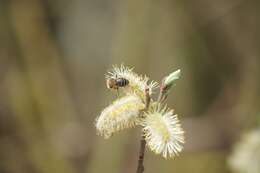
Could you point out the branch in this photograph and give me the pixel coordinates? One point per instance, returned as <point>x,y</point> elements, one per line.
<point>140,167</point>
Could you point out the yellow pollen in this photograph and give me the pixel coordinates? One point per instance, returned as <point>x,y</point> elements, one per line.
<point>161,127</point>
<point>125,107</point>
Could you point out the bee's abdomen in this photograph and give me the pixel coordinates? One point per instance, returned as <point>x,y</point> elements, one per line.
<point>121,82</point>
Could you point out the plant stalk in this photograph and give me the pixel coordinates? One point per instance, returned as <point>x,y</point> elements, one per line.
<point>140,166</point>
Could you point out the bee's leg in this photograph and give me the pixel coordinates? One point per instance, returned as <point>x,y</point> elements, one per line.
<point>117,90</point>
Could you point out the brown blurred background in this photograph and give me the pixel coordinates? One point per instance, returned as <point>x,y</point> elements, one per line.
<point>53,56</point>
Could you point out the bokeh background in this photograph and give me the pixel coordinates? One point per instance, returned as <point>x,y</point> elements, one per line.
<point>53,57</point>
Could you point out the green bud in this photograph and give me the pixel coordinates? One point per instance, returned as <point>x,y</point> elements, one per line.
<point>171,78</point>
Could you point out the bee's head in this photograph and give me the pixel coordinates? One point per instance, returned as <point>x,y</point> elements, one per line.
<point>111,83</point>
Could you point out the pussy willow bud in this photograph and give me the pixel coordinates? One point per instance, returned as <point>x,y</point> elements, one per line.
<point>171,78</point>
<point>167,83</point>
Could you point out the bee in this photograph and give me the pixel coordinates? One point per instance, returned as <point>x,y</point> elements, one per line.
<point>115,83</point>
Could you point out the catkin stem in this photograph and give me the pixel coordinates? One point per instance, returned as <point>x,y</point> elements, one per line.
<point>140,167</point>
<point>163,93</point>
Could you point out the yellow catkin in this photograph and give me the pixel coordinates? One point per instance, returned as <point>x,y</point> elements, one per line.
<point>163,132</point>
<point>121,114</point>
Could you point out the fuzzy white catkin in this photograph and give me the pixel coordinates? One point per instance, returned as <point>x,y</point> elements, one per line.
<point>121,114</point>
<point>137,83</point>
<point>163,132</point>
<point>246,155</point>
